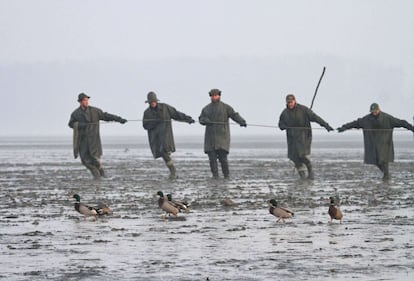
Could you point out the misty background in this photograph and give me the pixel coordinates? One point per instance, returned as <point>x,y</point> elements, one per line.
<point>254,51</point>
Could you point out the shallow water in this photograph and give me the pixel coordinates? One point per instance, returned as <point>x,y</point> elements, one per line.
<point>43,237</point>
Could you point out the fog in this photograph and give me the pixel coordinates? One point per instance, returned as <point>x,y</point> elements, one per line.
<point>254,51</point>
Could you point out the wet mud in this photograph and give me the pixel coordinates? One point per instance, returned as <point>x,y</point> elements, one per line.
<point>228,234</point>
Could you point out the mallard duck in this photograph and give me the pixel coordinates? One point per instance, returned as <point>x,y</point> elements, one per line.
<point>182,206</point>
<point>165,205</point>
<point>279,212</point>
<point>334,211</point>
<point>86,210</point>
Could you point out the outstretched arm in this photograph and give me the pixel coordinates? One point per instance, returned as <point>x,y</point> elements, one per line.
<point>357,124</point>
<point>235,116</point>
<point>316,118</point>
<point>238,119</point>
<point>399,123</point>
<point>105,116</point>
<point>179,116</point>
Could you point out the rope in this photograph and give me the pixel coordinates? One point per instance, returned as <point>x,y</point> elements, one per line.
<point>258,125</point>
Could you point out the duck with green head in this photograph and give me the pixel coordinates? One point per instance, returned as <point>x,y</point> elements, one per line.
<point>334,211</point>
<point>182,206</point>
<point>165,205</point>
<point>280,212</point>
<point>100,210</point>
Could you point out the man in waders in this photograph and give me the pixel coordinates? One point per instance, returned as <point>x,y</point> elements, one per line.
<point>157,122</point>
<point>378,144</point>
<point>215,116</point>
<point>295,119</point>
<point>87,141</point>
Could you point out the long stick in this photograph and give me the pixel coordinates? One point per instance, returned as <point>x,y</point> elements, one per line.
<point>317,87</point>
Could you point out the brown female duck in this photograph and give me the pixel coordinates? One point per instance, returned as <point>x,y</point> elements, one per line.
<point>334,211</point>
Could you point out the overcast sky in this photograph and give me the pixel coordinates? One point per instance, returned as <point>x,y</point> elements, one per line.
<point>368,44</point>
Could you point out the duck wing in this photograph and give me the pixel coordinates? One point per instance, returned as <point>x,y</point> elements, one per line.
<point>281,212</point>
<point>85,209</point>
<point>181,206</point>
<point>289,211</point>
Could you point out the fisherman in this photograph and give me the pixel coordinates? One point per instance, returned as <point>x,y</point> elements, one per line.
<point>378,145</point>
<point>157,121</point>
<point>215,116</point>
<point>87,141</point>
<point>295,119</point>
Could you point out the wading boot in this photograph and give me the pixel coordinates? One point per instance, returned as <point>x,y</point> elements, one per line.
<point>302,175</point>
<point>214,168</point>
<point>225,168</point>
<point>94,171</point>
<point>311,175</point>
<point>386,171</point>
<point>93,166</point>
<point>102,172</point>
<point>173,174</point>
<point>96,174</point>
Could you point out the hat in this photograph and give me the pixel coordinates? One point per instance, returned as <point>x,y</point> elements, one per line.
<point>374,107</point>
<point>151,97</point>
<point>82,96</point>
<point>290,97</point>
<point>214,92</point>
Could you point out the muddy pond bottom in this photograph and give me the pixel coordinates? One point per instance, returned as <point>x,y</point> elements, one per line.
<point>42,237</point>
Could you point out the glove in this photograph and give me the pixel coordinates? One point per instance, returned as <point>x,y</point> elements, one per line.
<point>123,121</point>
<point>329,128</point>
<point>243,124</point>
<point>191,121</point>
<point>341,129</point>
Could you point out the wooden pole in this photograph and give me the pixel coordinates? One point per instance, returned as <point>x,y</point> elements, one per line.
<point>317,87</point>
